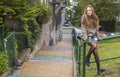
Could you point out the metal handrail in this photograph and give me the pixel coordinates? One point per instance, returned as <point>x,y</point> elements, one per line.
<point>78,46</point>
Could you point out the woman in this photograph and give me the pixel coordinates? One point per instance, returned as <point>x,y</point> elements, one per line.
<point>90,26</point>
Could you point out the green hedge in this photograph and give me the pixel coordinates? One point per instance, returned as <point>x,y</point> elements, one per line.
<point>117,26</point>
<point>3,62</point>
<point>109,26</point>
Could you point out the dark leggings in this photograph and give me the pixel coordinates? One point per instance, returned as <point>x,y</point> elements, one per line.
<point>93,49</point>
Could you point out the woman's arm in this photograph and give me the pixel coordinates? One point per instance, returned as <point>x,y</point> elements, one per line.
<point>97,34</point>
<point>84,30</point>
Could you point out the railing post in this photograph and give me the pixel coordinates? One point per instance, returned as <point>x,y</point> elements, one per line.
<point>76,48</point>
<point>79,58</point>
<point>14,51</point>
<point>84,54</point>
<point>77,54</point>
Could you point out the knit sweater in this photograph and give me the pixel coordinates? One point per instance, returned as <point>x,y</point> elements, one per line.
<point>88,31</point>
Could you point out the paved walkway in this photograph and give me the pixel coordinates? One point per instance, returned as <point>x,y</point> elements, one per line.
<point>51,61</point>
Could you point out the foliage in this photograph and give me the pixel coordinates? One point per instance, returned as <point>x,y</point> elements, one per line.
<point>26,31</point>
<point>15,8</point>
<point>22,42</point>
<point>45,15</point>
<point>107,14</point>
<point>117,26</point>
<point>3,62</point>
<point>27,13</point>
<point>68,3</point>
<point>103,8</point>
<point>105,11</point>
<point>109,25</point>
<point>76,18</point>
<point>34,30</point>
<point>83,4</point>
<point>22,9</point>
<point>73,14</point>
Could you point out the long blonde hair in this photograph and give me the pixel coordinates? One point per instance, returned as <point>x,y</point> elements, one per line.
<point>94,17</point>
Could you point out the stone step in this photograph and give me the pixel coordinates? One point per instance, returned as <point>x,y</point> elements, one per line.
<point>31,76</point>
<point>58,48</point>
<point>46,69</point>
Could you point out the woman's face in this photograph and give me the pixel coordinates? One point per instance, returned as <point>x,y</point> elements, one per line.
<point>89,11</point>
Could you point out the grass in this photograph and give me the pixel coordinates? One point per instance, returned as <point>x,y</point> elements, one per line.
<point>106,49</point>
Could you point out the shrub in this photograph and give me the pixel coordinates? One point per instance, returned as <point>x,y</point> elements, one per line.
<point>117,26</point>
<point>4,66</point>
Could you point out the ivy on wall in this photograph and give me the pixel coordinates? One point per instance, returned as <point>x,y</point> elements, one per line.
<point>23,10</point>
<point>31,15</point>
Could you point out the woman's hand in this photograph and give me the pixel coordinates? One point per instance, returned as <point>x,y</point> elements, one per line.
<point>85,41</point>
<point>99,38</point>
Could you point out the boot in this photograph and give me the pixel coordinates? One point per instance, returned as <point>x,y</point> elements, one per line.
<point>87,62</point>
<point>100,71</point>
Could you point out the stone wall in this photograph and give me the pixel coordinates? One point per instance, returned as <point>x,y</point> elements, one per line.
<point>44,39</point>
<point>5,74</point>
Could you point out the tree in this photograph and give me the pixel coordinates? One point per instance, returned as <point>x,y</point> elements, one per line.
<point>27,14</point>
<point>22,9</point>
<point>106,10</point>
<point>76,18</point>
<point>76,14</point>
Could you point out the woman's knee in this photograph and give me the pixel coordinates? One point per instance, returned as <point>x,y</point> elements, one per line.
<point>94,46</point>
